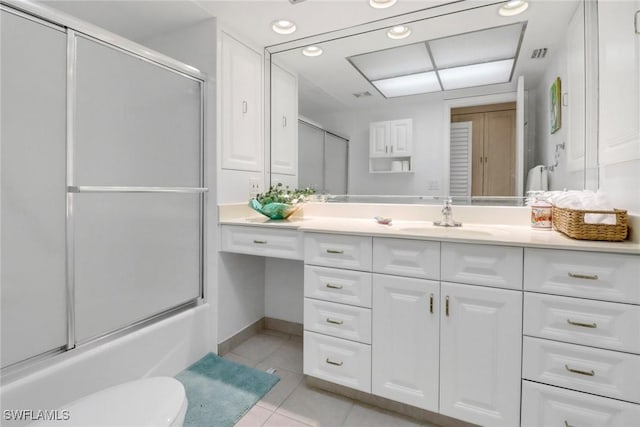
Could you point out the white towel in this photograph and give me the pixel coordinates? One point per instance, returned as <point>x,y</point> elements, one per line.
<point>537,179</point>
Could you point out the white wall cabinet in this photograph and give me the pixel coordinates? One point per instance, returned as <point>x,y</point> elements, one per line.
<point>390,145</point>
<point>242,110</point>
<point>405,351</point>
<point>619,43</point>
<point>284,122</point>
<point>480,354</point>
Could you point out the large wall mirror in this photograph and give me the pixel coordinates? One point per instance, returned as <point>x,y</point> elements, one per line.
<point>469,104</point>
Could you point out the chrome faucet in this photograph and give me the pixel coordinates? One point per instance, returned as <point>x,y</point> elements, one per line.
<point>447,216</point>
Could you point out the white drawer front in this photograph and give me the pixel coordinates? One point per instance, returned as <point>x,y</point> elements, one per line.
<point>543,405</point>
<point>338,320</point>
<point>402,257</point>
<point>595,323</point>
<point>261,241</point>
<point>343,286</point>
<point>496,266</point>
<point>334,250</point>
<point>337,360</point>
<point>593,370</point>
<point>601,276</point>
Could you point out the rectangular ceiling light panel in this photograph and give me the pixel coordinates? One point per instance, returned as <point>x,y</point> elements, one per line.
<point>487,73</point>
<point>479,46</point>
<point>383,64</point>
<point>412,84</point>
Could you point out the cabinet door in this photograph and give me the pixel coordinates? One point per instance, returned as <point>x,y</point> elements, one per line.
<point>242,142</point>
<point>379,134</point>
<point>284,122</point>
<point>401,134</point>
<point>480,351</point>
<point>500,153</point>
<point>405,340</point>
<point>33,188</point>
<point>619,118</point>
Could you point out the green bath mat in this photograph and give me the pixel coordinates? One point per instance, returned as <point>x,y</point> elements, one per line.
<point>220,392</point>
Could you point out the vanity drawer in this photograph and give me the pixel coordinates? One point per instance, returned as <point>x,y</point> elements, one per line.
<point>403,257</point>
<point>343,286</point>
<point>261,241</point>
<point>595,323</point>
<point>592,370</point>
<point>486,265</point>
<point>543,405</point>
<point>338,320</point>
<point>335,250</point>
<point>337,360</point>
<point>601,276</point>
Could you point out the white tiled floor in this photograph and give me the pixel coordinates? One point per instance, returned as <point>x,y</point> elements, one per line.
<point>291,403</point>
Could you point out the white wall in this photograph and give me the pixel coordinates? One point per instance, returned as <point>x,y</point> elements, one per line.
<point>284,289</point>
<point>241,293</point>
<point>567,62</point>
<point>428,119</point>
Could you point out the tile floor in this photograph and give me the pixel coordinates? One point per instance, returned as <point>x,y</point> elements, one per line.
<point>291,403</point>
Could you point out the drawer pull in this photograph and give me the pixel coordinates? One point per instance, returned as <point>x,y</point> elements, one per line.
<point>446,306</point>
<point>331,362</point>
<point>260,242</point>
<point>335,251</point>
<point>332,286</point>
<point>431,303</point>
<point>578,371</point>
<point>584,325</point>
<point>566,424</point>
<point>334,321</point>
<point>583,276</point>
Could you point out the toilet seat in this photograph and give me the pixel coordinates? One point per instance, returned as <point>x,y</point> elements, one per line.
<point>153,402</point>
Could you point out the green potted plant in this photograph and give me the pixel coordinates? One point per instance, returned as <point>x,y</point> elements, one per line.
<point>279,202</point>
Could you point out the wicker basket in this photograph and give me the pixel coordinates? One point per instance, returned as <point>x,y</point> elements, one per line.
<point>571,222</point>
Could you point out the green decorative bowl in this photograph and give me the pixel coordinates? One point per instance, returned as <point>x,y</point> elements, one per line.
<point>275,210</point>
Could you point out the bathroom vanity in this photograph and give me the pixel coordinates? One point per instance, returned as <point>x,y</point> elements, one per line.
<point>466,322</point>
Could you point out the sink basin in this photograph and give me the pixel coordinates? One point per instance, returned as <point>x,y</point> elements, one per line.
<point>430,230</point>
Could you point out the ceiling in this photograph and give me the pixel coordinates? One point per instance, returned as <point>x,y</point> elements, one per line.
<point>248,19</point>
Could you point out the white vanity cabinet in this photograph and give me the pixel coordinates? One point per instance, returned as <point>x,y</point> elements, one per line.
<point>284,122</point>
<point>581,323</point>
<point>337,309</point>
<point>241,104</point>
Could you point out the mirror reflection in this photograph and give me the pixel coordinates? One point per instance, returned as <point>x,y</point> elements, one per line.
<point>470,104</point>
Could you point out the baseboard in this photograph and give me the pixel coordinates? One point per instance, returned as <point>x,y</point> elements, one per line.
<point>284,326</point>
<point>387,404</point>
<point>235,340</point>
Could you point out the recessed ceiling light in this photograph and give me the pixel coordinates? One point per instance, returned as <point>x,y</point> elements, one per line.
<point>283,26</point>
<point>513,7</point>
<point>381,4</point>
<point>399,32</point>
<point>312,51</point>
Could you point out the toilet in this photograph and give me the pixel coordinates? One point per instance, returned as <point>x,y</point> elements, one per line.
<point>153,402</point>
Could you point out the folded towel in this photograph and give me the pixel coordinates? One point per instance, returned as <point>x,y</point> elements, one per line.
<point>583,200</point>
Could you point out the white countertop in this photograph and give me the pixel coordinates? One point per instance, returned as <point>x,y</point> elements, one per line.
<point>509,235</point>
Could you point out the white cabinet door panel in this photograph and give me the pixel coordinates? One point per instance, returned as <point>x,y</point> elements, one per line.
<point>595,323</point>
<point>401,135</point>
<point>403,257</point>
<point>379,133</point>
<point>406,340</point>
<point>480,354</point>
<point>495,266</point>
<point>592,370</point>
<point>600,276</point>
<point>543,405</point>
<point>284,122</point>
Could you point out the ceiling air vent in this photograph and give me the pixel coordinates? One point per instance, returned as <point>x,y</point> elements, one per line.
<point>362,94</point>
<point>539,53</point>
